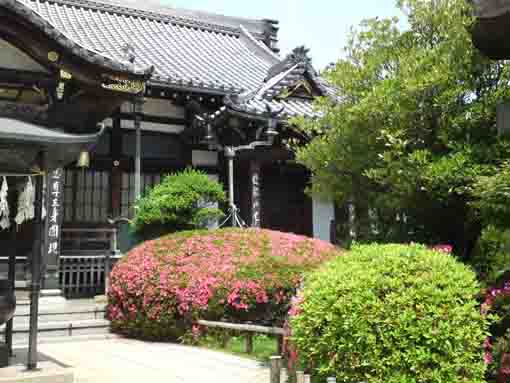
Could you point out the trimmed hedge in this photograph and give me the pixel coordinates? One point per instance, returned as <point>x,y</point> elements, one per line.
<point>162,286</point>
<point>392,313</point>
<point>182,201</point>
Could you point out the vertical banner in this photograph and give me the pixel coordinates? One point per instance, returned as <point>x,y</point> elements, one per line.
<point>255,194</point>
<point>54,213</point>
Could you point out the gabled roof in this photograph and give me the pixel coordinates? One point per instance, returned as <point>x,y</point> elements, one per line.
<point>188,49</point>
<point>290,85</point>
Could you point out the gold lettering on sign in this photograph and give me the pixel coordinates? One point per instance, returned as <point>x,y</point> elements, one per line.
<point>124,85</point>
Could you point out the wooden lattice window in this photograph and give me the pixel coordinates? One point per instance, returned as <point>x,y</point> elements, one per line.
<point>87,196</point>
<point>128,190</point>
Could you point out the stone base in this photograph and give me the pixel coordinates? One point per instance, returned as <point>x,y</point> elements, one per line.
<point>47,372</point>
<point>4,355</point>
<point>101,299</point>
<point>51,297</point>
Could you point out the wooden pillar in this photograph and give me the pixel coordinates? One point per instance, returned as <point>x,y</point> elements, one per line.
<point>275,366</point>
<point>35,286</point>
<point>255,182</point>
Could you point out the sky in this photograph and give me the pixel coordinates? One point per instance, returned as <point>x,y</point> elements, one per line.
<point>321,25</point>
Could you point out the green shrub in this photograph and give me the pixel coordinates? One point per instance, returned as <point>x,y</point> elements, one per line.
<point>179,202</point>
<point>492,196</point>
<point>161,287</point>
<point>491,257</point>
<point>392,313</point>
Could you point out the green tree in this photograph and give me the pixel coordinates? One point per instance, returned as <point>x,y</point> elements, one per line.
<point>415,127</point>
<point>181,201</point>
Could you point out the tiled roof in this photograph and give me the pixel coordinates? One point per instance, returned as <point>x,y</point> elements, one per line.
<point>23,142</point>
<point>282,78</point>
<point>87,53</point>
<point>188,49</point>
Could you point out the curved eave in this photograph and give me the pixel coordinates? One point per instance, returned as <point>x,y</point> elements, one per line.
<point>22,142</point>
<point>491,36</point>
<point>67,44</point>
<point>255,109</point>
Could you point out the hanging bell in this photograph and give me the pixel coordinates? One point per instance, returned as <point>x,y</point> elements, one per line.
<point>83,160</point>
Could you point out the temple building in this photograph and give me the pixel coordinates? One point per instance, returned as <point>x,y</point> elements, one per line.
<point>174,89</point>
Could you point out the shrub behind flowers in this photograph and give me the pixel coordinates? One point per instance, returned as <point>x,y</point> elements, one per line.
<point>162,286</point>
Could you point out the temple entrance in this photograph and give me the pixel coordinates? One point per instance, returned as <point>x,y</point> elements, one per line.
<point>285,206</point>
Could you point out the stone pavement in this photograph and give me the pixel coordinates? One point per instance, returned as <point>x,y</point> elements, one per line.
<point>129,361</point>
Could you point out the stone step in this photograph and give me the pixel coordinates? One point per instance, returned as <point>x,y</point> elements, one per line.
<point>62,320</point>
<point>20,339</point>
<point>69,326</point>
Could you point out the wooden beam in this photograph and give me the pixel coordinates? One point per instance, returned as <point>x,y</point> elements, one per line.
<point>243,327</point>
<point>155,119</point>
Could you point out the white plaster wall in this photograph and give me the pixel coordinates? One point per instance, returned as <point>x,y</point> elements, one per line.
<point>157,107</point>
<point>204,158</point>
<point>153,127</point>
<point>13,58</point>
<point>323,214</point>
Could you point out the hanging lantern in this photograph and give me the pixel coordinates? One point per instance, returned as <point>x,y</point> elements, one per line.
<point>84,160</point>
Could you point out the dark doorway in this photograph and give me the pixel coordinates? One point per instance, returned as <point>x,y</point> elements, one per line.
<point>285,206</point>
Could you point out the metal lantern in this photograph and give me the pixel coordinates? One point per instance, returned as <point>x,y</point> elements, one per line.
<point>84,160</point>
<point>209,134</point>
<point>271,131</point>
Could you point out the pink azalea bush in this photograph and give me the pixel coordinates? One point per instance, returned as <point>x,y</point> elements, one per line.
<point>161,287</point>
<point>496,303</point>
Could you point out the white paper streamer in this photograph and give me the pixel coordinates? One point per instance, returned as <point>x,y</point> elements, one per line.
<point>5,222</point>
<point>26,201</point>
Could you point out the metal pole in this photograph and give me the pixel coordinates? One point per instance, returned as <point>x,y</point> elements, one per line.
<point>230,153</point>
<point>36,271</point>
<point>108,262</point>
<point>11,277</point>
<point>137,106</point>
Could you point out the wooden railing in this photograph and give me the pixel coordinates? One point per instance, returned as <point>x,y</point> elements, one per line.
<point>277,373</point>
<point>87,258</point>
<point>249,330</point>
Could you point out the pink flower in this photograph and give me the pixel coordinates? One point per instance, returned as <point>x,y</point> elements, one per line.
<point>443,248</point>
<point>488,359</point>
<point>183,277</point>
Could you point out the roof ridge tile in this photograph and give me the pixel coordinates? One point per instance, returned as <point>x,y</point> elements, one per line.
<point>188,21</point>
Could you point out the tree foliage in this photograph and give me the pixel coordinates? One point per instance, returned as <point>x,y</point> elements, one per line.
<point>181,201</point>
<point>416,125</point>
